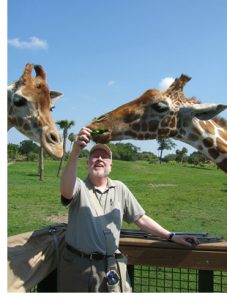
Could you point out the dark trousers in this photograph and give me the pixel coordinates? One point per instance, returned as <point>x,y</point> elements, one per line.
<point>81,275</point>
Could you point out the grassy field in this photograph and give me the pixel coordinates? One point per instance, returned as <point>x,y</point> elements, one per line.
<point>180,198</point>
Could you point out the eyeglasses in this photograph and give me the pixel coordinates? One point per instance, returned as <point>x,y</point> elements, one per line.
<point>103,157</point>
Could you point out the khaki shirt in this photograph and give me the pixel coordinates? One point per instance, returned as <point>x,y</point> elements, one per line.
<point>85,230</point>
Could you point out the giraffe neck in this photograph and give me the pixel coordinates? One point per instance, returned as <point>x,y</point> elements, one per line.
<point>209,137</point>
<point>11,116</point>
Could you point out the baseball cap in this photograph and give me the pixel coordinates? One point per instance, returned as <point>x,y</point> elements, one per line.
<point>101,147</point>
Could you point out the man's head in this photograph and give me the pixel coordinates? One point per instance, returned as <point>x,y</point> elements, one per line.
<point>100,160</point>
<point>103,148</point>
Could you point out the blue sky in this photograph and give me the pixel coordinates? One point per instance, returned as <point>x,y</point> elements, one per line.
<point>103,53</point>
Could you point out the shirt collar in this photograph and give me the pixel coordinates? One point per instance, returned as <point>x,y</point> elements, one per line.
<point>90,186</point>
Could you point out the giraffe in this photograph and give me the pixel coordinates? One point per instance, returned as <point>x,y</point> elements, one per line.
<point>168,114</point>
<point>29,105</point>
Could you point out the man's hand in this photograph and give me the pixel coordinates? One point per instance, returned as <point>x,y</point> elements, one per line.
<point>83,137</point>
<point>187,240</point>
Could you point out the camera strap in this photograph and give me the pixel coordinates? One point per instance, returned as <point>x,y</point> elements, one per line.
<point>113,274</point>
<point>102,218</point>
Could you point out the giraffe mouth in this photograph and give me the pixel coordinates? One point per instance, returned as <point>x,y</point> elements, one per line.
<point>103,137</point>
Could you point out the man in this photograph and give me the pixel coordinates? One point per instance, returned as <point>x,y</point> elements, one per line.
<point>97,207</point>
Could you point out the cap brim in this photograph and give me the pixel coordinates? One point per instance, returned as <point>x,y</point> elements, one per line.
<point>103,147</point>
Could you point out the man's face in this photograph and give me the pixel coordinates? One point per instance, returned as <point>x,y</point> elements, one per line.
<point>99,163</point>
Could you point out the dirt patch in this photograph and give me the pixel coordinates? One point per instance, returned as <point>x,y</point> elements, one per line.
<point>161,185</point>
<point>58,219</point>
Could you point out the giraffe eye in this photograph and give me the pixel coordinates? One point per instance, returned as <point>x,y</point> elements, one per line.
<point>101,118</point>
<point>52,108</point>
<point>19,100</point>
<point>160,107</point>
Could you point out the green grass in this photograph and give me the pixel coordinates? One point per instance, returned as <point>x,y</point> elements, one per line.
<point>180,198</point>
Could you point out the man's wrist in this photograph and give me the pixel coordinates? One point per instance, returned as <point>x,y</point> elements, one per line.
<point>76,149</point>
<point>171,235</point>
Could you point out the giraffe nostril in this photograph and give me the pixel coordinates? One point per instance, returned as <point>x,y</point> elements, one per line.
<point>53,138</point>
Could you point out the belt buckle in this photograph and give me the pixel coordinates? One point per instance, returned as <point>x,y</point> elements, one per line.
<point>94,255</point>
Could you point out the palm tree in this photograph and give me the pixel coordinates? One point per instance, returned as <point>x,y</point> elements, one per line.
<point>165,144</point>
<point>65,125</point>
<point>71,138</point>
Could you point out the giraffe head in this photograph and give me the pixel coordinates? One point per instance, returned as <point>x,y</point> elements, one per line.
<point>154,115</point>
<point>168,114</point>
<point>29,105</point>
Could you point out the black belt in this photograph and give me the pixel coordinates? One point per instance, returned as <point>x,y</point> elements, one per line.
<point>94,255</point>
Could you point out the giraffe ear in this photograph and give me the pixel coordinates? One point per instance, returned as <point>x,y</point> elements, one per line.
<point>55,95</point>
<point>203,111</point>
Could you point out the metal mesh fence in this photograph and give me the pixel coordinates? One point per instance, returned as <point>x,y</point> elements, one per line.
<point>149,279</point>
<point>220,282</point>
<point>170,280</point>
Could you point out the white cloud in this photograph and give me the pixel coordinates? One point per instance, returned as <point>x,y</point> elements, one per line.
<point>111,83</point>
<point>33,43</point>
<point>165,83</point>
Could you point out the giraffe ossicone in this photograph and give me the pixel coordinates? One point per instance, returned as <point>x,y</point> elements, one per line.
<point>168,114</point>
<point>29,105</point>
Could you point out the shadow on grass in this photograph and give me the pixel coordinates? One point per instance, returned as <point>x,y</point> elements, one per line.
<point>33,174</point>
<point>225,190</point>
<point>199,167</point>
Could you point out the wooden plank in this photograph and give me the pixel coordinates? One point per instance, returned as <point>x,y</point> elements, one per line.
<point>166,254</point>
<point>219,246</point>
<point>173,258</point>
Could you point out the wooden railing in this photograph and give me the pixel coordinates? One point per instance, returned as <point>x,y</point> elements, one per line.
<point>206,257</point>
<point>204,264</point>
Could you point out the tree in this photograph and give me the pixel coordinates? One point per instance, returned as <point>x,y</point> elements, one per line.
<point>147,156</point>
<point>28,148</point>
<point>41,163</point>
<point>65,125</point>
<point>165,144</point>
<point>124,151</point>
<point>71,138</point>
<point>169,157</point>
<point>13,151</point>
<point>181,155</point>
<point>197,158</point>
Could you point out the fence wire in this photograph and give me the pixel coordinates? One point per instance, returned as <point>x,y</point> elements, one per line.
<point>172,280</point>
<point>148,279</point>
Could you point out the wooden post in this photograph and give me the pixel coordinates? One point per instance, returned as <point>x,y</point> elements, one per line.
<point>206,281</point>
<point>130,269</point>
